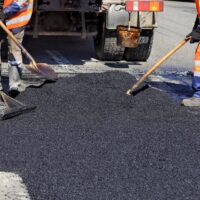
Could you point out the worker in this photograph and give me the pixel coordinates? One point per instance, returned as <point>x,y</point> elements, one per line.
<point>16,14</point>
<point>195,38</point>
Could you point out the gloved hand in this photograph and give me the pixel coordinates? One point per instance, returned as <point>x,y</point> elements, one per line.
<point>195,34</point>
<point>2,15</point>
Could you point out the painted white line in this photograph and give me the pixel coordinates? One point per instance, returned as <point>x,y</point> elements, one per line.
<point>12,187</point>
<point>167,79</point>
<point>63,65</point>
<point>58,57</point>
<point>172,79</point>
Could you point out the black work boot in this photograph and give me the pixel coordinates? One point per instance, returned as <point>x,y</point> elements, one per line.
<point>13,92</point>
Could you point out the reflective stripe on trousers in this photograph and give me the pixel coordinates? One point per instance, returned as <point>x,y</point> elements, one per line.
<point>15,61</point>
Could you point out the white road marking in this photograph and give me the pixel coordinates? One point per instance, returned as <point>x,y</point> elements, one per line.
<point>174,79</point>
<point>12,187</point>
<point>63,65</point>
<point>65,68</point>
<point>58,57</point>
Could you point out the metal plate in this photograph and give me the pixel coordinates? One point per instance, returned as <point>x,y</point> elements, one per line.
<point>117,15</point>
<point>68,5</point>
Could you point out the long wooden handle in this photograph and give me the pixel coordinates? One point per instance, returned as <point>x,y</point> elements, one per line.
<point>157,65</point>
<point>24,51</point>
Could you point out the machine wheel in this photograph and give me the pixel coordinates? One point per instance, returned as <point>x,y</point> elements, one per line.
<point>143,50</point>
<point>105,43</point>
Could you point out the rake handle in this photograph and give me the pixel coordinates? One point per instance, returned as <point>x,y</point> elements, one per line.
<point>157,65</point>
<point>10,34</point>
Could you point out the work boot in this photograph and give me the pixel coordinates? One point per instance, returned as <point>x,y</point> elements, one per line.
<point>13,92</point>
<point>191,102</point>
<point>15,73</point>
<point>1,87</point>
<point>2,108</point>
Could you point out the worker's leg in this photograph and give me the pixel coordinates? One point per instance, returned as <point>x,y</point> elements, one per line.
<point>196,79</point>
<point>15,62</point>
<point>195,100</point>
<point>1,87</point>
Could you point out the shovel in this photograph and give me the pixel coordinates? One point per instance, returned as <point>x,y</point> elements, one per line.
<point>135,87</point>
<point>10,107</point>
<point>41,69</point>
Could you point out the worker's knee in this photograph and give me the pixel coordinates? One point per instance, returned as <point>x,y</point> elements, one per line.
<point>13,48</point>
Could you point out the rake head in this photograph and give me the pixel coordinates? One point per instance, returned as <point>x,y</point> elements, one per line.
<point>12,107</point>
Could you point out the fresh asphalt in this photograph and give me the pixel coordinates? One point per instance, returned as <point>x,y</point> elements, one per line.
<point>88,140</point>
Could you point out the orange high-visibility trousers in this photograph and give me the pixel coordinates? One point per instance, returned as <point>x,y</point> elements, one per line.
<point>196,69</point>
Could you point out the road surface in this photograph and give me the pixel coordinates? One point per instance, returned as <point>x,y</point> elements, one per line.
<point>88,140</point>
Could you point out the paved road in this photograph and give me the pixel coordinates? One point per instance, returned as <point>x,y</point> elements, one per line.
<point>176,22</point>
<point>88,140</point>
<point>77,56</point>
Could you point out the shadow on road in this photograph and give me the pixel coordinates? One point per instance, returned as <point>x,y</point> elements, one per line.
<point>65,48</point>
<point>177,91</point>
<point>120,65</point>
<point>76,51</point>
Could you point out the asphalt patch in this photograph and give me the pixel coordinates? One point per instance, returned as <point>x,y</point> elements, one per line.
<point>88,140</point>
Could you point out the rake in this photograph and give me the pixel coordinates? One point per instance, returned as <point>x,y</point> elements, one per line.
<point>12,107</point>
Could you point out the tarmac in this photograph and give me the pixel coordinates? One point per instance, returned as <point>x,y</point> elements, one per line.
<point>88,140</point>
